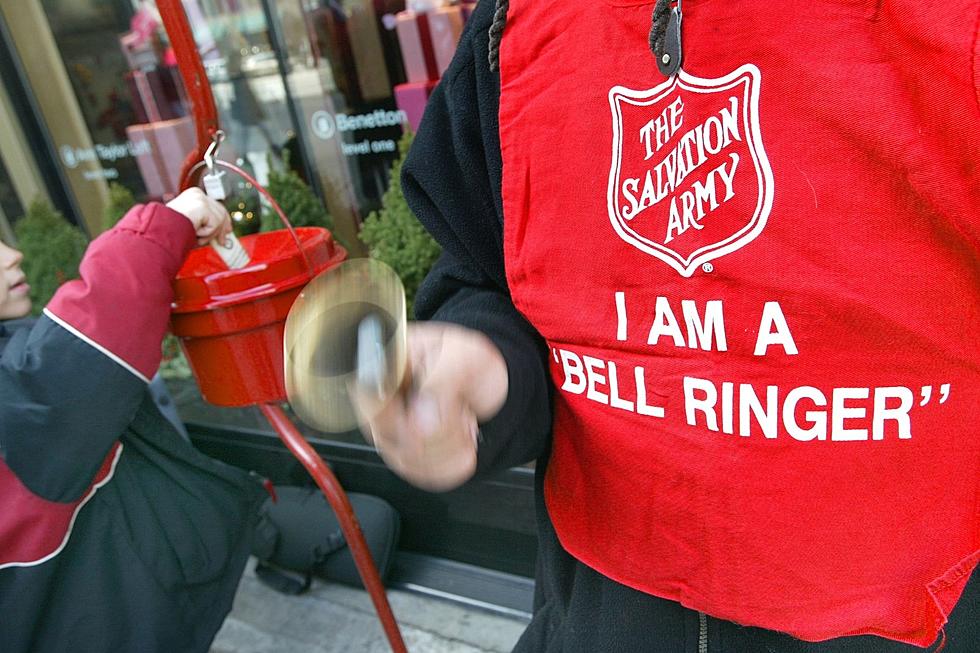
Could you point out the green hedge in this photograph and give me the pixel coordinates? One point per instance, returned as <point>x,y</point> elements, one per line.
<point>298,201</point>
<point>121,199</point>
<point>394,235</point>
<point>52,249</point>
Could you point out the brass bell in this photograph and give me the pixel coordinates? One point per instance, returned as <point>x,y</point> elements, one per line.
<point>346,330</point>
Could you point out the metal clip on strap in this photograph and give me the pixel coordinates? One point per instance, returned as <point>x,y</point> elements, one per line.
<point>669,60</point>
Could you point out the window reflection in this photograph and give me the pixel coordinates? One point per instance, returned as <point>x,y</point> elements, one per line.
<point>322,87</point>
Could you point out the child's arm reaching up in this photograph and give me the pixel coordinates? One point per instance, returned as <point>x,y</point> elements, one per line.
<point>71,385</point>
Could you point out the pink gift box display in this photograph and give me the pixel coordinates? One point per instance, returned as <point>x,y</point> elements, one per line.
<point>445,28</point>
<point>416,46</point>
<point>411,98</point>
<point>161,148</point>
<point>156,95</point>
<point>428,39</point>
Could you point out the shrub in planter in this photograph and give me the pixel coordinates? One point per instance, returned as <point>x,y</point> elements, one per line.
<point>121,199</point>
<point>394,235</point>
<point>246,213</point>
<point>52,249</point>
<point>298,202</point>
<point>173,365</point>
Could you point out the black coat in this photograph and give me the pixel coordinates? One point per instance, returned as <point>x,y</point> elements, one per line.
<point>115,533</point>
<point>452,182</point>
<point>152,557</point>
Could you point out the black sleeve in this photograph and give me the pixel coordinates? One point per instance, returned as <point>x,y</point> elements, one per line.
<point>452,182</point>
<point>63,404</point>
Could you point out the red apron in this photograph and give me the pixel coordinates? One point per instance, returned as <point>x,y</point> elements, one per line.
<point>759,283</point>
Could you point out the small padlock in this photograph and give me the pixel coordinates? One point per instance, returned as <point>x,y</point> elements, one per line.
<point>214,186</point>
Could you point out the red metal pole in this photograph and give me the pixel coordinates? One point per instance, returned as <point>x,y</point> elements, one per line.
<point>337,498</point>
<point>195,80</point>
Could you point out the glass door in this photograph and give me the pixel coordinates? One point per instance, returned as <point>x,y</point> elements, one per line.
<point>341,62</point>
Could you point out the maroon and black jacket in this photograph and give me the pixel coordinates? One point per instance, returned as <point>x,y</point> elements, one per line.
<point>115,533</point>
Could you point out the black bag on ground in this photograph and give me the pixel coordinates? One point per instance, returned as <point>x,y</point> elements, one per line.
<point>299,536</point>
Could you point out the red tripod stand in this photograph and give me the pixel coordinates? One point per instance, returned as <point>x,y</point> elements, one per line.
<point>206,124</point>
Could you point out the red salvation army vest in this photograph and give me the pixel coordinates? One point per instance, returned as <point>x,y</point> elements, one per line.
<point>758,281</point>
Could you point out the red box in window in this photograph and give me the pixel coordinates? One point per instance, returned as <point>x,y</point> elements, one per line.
<point>411,98</point>
<point>445,28</point>
<point>415,42</point>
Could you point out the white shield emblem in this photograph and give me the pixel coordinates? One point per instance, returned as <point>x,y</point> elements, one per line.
<point>689,180</point>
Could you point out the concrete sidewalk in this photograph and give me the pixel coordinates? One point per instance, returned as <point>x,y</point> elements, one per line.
<point>333,618</point>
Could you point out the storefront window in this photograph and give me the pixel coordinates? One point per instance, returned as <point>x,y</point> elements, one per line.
<point>342,65</point>
<point>234,42</point>
<point>324,87</point>
<point>120,81</point>
<point>112,99</point>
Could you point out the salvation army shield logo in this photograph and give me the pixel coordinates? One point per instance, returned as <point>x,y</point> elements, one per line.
<point>689,180</point>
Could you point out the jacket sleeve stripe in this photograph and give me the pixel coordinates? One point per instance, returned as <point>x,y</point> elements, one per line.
<point>123,297</point>
<point>27,548</point>
<point>81,336</point>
